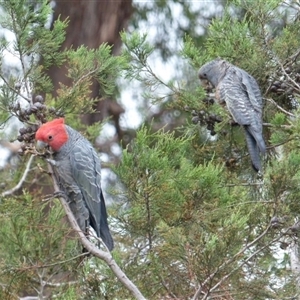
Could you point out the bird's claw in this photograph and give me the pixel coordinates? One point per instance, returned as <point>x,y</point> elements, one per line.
<point>57,194</point>
<point>60,194</point>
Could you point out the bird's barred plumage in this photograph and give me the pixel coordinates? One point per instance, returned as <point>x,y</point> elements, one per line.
<point>241,93</point>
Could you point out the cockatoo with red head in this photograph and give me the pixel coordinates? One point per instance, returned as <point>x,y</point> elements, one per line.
<point>77,168</point>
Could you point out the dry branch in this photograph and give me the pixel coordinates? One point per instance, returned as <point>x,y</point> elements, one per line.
<point>22,180</point>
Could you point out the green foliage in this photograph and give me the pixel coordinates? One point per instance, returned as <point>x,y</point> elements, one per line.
<point>239,41</point>
<point>97,63</point>
<point>33,243</point>
<point>279,119</point>
<point>137,50</point>
<point>189,218</point>
<point>83,66</point>
<point>32,42</point>
<point>176,94</point>
<point>194,54</point>
<point>280,134</point>
<point>191,213</point>
<point>182,214</point>
<point>236,43</point>
<point>190,98</point>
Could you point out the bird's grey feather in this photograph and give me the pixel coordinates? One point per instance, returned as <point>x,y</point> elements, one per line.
<point>253,150</point>
<point>79,172</point>
<point>241,93</point>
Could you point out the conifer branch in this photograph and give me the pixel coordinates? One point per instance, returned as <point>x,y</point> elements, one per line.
<point>243,262</point>
<point>277,126</point>
<point>229,261</point>
<point>35,266</point>
<point>280,108</point>
<point>22,180</point>
<point>288,76</point>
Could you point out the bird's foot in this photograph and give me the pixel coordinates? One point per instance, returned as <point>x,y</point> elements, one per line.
<point>57,194</point>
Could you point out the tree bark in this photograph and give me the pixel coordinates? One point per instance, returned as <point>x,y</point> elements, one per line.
<point>92,23</point>
<point>295,262</point>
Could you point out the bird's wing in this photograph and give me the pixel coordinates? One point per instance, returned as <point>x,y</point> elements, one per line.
<point>86,171</point>
<point>244,102</point>
<point>232,90</point>
<point>252,90</point>
<point>236,90</point>
<point>65,178</point>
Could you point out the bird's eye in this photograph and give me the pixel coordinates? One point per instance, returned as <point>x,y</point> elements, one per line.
<point>50,137</point>
<point>204,74</point>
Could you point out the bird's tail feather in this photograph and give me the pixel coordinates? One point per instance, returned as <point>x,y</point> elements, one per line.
<point>253,148</point>
<point>104,229</point>
<point>257,135</point>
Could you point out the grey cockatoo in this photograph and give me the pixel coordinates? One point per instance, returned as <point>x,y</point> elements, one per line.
<point>241,94</point>
<point>78,171</point>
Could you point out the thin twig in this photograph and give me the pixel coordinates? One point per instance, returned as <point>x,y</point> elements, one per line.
<point>229,261</point>
<point>287,75</point>
<point>242,184</point>
<point>290,78</point>
<point>279,144</point>
<point>277,126</point>
<point>103,255</point>
<point>167,288</point>
<point>295,55</point>
<point>33,266</point>
<point>280,108</point>
<point>17,92</point>
<point>84,76</point>
<point>245,261</point>
<point>23,178</point>
<point>55,284</point>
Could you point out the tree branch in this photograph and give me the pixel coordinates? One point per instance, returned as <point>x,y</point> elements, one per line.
<point>54,284</point>
<point>243,262</point>
<point>288,76</point>
<point>278,126</point>
<point>23,178</point>
<point>34,266</point>
<point>279,144</point>
<point>105,256</point>
<point>229,261</point>
<point>280,108</point>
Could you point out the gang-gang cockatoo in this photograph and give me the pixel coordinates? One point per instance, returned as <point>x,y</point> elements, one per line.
<point>241,94</point>
<point>77,168</point>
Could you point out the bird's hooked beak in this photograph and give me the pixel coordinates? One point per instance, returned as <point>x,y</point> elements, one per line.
<point>41,145</point>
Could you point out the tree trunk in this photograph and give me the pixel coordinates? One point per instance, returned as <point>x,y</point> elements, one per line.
<point>295,262</point>
<point>92,23</point>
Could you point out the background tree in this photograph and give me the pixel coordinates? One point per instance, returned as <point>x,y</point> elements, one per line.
<point>92,23</point>
<point>190,218</point>
<point>246,35</point>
